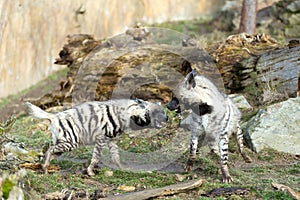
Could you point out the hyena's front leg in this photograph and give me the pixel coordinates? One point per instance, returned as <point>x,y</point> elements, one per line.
<point>239,140</point>
<point>223,149</point>
<point>195,145</point>
<point>193,151</point>
<point>196,141</point>
<point>97,152</point>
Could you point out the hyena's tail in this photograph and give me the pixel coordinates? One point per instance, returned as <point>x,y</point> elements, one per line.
<point>37,112</point>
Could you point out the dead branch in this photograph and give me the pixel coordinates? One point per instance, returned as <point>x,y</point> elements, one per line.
<point>294,194</point>
<point>159,192</point>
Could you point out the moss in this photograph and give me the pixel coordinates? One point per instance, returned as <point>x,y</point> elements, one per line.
<point>7,187</point>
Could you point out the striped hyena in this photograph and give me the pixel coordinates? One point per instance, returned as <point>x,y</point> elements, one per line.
<point>97,123</point>
<point>213,119</point>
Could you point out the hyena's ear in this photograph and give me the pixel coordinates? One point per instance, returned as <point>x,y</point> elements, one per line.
<point>190,79</point>
<point>141,103</point>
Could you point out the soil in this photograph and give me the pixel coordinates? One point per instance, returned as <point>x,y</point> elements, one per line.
<point>16,102</point>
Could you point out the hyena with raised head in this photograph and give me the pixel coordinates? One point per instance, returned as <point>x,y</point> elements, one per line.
<point>97,123</point>
<point>213,119</point>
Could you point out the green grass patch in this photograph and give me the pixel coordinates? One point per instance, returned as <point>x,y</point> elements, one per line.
<point>25,131</point>
<point>138,179</point>
<point>7,186</point>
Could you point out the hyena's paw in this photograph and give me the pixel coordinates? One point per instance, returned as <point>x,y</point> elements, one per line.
<point>246,158</point>
<point>225,173</point>
<point>90,171</point>
<point>227,179</point>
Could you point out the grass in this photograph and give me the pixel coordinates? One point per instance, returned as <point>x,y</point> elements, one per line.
<point>269,166</point>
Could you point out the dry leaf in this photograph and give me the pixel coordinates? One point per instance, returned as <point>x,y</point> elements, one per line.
<point>126,188</point>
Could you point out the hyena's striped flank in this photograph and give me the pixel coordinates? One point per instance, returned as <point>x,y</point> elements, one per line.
<point>96,123</point>
<point>213,120</point>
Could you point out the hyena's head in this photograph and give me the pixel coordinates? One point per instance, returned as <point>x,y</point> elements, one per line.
<point>191,94</point>
<point>146,114</point>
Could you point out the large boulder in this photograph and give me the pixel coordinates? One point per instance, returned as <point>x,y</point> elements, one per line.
<point>277,127</point>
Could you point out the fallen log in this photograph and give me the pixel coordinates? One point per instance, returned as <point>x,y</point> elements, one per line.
<point>254,64</point>
<point>128,66</point>
<point>274,70</point>
<point>158,192</point>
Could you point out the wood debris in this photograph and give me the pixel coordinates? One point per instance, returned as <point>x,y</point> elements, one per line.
<point>158,192</point>
<point>38,167</point>
<point>294,194</point>
<point>227,191</point>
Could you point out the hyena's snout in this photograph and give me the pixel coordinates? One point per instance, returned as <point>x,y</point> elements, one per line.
<point>174,105</point>
<point>160,119</point>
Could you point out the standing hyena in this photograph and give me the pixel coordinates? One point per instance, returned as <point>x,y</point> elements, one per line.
<point>97,123</point>
<point>213,120</point>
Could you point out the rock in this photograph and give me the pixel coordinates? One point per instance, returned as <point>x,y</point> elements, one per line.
<point>16,150</point>
<point>16,194</point>
<point>294,6</point>
<point>179,177</point>
<point>9,185</point>
<point>108,173</point>
<point>240,101</point>
<point>277,127</point>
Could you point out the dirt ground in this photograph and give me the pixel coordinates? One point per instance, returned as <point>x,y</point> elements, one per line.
<point>15,103</point>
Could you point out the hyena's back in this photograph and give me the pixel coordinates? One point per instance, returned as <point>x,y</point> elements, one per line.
<point>82,124</point>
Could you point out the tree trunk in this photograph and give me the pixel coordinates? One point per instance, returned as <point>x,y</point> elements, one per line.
<point>248,17</point>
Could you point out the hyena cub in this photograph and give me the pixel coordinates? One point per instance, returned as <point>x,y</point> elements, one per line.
<point>97,123</point>
<point>214,118</point>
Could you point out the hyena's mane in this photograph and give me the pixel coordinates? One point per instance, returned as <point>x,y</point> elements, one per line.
<point>139,113</point>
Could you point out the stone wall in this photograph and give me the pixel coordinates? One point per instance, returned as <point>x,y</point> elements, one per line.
<point>33,32</point>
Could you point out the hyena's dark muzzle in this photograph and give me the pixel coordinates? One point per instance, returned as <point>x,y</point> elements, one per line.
<point>174,105</point>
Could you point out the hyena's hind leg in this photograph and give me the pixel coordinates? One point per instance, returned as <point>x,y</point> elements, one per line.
<point>55,151</point>
<point>97,152</point>
<point>114,150</point>
<point>239,140</point>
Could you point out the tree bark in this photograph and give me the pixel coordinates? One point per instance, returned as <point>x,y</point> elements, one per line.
<point>255,64</point>
<point>248,17</point>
